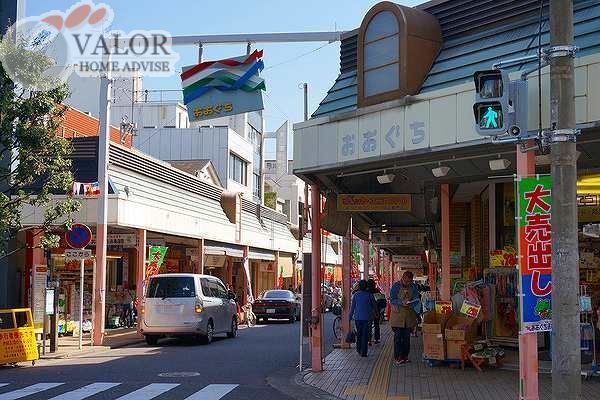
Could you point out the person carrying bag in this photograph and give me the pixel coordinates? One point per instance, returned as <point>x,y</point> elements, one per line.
<point>406,305</point>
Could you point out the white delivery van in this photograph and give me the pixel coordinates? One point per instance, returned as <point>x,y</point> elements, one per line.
<point>187,305</point>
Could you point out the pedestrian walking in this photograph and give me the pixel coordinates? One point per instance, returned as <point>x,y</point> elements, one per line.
<point>375,332</point>
<point>406,304</point>
<point>363,310</point>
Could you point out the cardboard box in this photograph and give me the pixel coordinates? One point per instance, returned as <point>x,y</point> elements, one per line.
<point>434,322</point>
<point>460,327</point>
<point>454,349</point>
<point>433,346</point>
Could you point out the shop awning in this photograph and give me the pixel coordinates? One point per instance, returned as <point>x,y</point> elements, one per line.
<point>286,266</point>
<point>260,254</point>
<point>222,249</point>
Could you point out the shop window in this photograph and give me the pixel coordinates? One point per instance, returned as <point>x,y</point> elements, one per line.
<point>238,169</point>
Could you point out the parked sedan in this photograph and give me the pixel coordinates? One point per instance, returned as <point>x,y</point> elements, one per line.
<point>277,304</point>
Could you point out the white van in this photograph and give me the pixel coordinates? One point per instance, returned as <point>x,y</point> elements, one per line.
<point>187,305</point>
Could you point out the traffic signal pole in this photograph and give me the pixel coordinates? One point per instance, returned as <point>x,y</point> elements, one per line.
<point>566,360</point>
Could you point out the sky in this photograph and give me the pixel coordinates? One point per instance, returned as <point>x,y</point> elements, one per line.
<point>286,65</point>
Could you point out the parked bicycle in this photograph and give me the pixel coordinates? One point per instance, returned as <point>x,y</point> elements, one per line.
<point>337,328</point>
<point>337,322</point>
<point>250,316</point>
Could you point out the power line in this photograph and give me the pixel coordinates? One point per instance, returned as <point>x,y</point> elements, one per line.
<point>298,56</point>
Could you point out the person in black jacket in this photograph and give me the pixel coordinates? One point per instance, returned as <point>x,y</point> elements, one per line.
<point>375,332</point>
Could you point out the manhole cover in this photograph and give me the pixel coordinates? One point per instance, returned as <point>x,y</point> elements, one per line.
<point>178,374</point>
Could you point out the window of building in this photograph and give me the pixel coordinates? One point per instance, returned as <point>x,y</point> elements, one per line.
<point>238,169</point>
<point>256,186</point>
<point>381,61</point>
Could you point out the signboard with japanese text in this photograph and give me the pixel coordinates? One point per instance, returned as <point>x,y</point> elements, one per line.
<point>221,88</point>
<point>534,207</point>
<point>77,254</point>
<point>374,202</point>
<point>156,256</point>
<point>443,307</point>
<point>470,309</point>
<point>38,288</point>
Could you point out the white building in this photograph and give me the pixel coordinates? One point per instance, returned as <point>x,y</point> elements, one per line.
<point>162,129</point>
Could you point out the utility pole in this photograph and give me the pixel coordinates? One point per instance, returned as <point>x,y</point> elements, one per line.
<point>566,360</point>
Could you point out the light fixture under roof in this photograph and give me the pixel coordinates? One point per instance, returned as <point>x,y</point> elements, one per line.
<point>499,164</point>
<point>440,171</point>
<point>385,178</point>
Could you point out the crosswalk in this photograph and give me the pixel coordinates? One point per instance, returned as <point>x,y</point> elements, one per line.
<point>147,392</point>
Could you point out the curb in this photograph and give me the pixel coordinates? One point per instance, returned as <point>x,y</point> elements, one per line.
<point>295,387</point>
<point>90,350</point>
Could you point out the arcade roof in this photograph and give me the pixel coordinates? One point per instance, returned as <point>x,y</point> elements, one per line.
<point>476,34</point>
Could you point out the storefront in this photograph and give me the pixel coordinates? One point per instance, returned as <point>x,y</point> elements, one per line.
<point>392,130</point>
<point>168,209</point>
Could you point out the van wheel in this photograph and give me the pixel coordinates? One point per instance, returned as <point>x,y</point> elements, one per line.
<point>210,331</point>
<point>151,340</point>
<point>234,327</point>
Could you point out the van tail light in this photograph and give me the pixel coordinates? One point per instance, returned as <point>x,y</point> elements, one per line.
<point>198,308</point>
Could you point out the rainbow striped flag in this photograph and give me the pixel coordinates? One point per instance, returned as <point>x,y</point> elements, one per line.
<point>230,74</point>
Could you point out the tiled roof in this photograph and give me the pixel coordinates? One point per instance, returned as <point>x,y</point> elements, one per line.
<point>470,43</point>
<point>79,124</point>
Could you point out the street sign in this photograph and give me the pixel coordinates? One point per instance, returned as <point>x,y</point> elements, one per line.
<point>49,306</point>
<point>79,236</point>
<point>77,254</point>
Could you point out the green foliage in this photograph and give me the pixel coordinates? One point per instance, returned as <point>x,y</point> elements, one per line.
<point>271,200</point>
<point>33,163</point>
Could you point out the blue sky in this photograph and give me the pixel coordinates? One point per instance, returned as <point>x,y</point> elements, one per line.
<point>284,68</point>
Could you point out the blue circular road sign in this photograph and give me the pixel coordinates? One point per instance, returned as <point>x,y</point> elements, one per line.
<point>79,236</point>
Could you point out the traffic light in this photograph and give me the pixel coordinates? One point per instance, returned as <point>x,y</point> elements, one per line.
<point>500,104</point>
<point>491,106</point>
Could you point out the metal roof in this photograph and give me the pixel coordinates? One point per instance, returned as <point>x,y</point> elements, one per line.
<point>472,43</point>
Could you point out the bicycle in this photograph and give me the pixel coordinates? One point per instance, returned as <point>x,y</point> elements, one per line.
<point>337,322</point>
<point>250,316</point>
<point>337,327</point>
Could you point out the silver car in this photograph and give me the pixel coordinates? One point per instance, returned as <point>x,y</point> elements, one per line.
<point>187,305</point>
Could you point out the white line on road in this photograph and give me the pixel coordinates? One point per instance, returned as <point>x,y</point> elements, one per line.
<point>212,392</point>
<point>86,391</point>
<point>28,391</point>
<point>149,391</point>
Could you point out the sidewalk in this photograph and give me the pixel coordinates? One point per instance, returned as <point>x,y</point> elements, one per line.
<point>348,376</point>
<point>68,346</point>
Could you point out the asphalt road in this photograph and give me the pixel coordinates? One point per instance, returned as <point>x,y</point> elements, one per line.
<point>247,367</point>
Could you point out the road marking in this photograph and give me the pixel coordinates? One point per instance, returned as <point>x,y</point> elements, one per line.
<point>28,391</point>
<point>86,391</point>
<point>212,392</point>
<point>149,391</point>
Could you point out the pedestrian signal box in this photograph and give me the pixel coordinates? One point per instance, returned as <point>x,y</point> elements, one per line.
<point>492,102</point>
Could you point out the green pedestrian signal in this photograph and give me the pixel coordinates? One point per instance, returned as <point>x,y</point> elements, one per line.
<point>491,102</point>
<point>489,115</point>
<point>490,118</point>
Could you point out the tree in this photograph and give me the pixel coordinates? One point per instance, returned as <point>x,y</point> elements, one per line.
<point>33,159</point>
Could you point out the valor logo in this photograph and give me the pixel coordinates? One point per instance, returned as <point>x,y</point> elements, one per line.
<point>41,52</point>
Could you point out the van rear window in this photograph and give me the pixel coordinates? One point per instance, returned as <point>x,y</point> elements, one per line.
<point>176,286</point>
